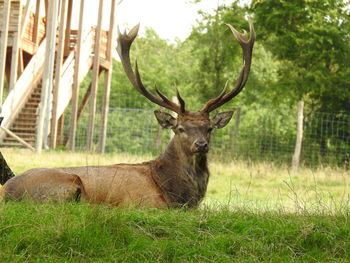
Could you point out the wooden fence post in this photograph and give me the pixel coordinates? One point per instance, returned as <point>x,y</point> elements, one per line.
<point>108,78</point>
<point>4,38</point>
<point>75,88</point>
<point>299,138</point>
<point>46,93</point>
<point>58,72</point>
<point>95,78</point>
<point>234,134</point>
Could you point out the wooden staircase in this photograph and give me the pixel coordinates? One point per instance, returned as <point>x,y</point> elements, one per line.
<point>24,125</point>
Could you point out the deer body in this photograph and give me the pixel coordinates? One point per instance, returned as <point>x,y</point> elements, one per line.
<point>178,177</point>
<point>115,184</point>
<point>166,181</point>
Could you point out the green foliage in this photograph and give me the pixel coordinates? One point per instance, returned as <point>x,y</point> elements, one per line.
<point>311,41</point>
<point>215,48</point>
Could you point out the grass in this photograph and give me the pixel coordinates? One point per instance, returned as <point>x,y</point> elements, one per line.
<point>86,233</point>
<point>257,186</point>
<point>263,186</point>
<point>252,213</point>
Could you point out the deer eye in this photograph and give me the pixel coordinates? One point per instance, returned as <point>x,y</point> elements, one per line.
<point>210,129</point>
<point>181,129</point>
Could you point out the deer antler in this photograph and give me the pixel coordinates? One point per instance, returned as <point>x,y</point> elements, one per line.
<point>247,48</point>
<point>124,43</point>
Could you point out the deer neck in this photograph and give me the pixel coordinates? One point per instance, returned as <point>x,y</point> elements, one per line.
<point>182,176</point>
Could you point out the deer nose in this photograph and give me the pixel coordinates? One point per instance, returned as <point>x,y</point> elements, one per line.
<point>201,145</point>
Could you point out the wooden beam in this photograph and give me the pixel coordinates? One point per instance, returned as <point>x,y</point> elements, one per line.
<point>46,9</point>
<point>36,22</point>
<point>58,72</point>
<point>86,98</point>
<point>75,89</point>
<point>15,50</point>
<point>82,107</point>
<point>3,48</point>
<point>46,93</point>
<point>26,17</point>
<point>68,28</point>
<point>10,133</point>
<point>108,78</point>
<point>60,133</point>
<point>105,110</point>
<point>21,62</point>
<point>95,78</point>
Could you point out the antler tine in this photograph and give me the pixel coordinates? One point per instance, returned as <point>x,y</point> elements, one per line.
<point>125,41</point>
<point>181,100</point>
<point>247,48</point>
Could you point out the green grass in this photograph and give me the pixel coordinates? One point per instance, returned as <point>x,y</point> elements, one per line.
<point>252,213</point>
<point>86,233</point>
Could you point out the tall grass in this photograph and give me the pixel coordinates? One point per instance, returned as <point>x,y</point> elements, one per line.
<point>85,233</point>
<point>253,212</point>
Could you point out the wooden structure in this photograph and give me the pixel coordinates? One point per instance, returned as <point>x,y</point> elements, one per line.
<point>43,60</point>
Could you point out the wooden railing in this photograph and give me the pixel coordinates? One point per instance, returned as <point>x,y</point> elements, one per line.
<point>30,41</point>
<point>23,87</point>
<point>103,45</point>
<point>15,11</point>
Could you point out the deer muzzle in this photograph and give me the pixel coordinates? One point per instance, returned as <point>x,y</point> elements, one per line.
<point>201,146</point>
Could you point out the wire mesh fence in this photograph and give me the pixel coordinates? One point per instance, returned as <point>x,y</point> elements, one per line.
<point>269,137</point>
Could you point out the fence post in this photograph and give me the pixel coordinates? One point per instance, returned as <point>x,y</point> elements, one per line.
<point>299,138</point>
<point>234,134</point>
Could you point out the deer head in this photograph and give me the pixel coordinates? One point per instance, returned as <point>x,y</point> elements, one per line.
<point>192,129</point>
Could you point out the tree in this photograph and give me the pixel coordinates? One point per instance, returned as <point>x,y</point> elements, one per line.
<point>311,40</point>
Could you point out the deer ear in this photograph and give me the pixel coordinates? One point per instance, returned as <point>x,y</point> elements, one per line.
<point>165,119</point>
<point>221,119</point>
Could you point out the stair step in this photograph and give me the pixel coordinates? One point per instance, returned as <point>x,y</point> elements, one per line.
<point>30,115</point>
<point>11,139</point>
<point>29,111</point>
<point>36,101</point>
<point>23,126</point>
<point>36,95</point>
<point>26,120</point>
<point>24,134</point>
<point>13,144</point>
<point>23,130</point>
<point>31,105</point>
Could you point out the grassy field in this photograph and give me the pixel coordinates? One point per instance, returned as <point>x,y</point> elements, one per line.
<point>252,213</point>
<point>257,186</point>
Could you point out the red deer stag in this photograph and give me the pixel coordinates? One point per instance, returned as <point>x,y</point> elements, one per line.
<point>178,177</point>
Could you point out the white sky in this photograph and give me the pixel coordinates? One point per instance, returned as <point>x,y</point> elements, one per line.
<point>169,18</point>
